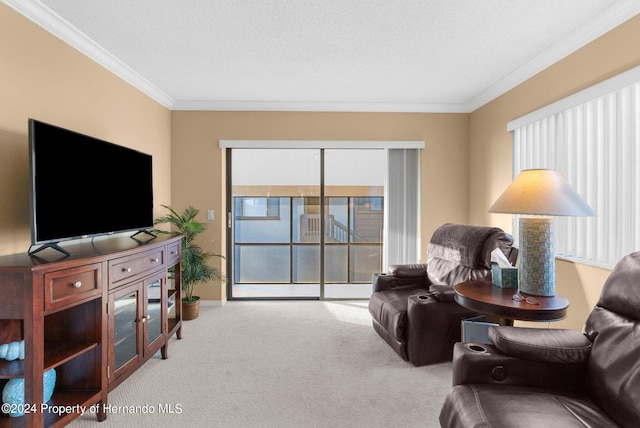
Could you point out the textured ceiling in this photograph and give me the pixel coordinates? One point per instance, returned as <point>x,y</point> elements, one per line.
<point>376,55</point>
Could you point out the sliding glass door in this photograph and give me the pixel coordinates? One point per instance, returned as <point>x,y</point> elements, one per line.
<point>271,191</point>
<point>305,223</point>
<point>354,219</point>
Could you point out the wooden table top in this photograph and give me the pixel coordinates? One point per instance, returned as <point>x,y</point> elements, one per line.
<point>486,298</point>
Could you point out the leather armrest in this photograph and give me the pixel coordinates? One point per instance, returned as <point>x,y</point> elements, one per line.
<point>480,363</point>
<point>412,275</point>
<point>546,345</point>
<point>442,292</point>
<point>383,281</point>
<point>417,271</point>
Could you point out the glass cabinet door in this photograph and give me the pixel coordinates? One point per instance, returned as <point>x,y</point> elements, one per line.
<point>153,318</point>
<point>125,327</point>
<point>137,323</point>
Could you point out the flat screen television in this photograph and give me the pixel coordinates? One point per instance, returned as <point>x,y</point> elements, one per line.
<point>84,187</point>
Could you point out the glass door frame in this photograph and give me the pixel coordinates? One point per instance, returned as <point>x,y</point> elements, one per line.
<point>307,144</point>
<point>321,243</point>
<point>231,238</point>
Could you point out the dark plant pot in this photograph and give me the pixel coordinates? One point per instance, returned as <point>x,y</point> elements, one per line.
<point>190,309</point>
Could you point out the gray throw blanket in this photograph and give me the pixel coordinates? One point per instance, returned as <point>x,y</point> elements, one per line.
<point>461,244</point>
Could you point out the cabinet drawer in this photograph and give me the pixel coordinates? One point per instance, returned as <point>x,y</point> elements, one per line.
<point>174,253</point>
<point>125,269</point>
<point>71,285</point>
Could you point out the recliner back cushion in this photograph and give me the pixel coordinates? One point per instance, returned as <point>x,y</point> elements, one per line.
<point>621,292</point>
<point>463,244</point>
<point>614,327</point>
<point>442,271</point>
<point>459,253</point>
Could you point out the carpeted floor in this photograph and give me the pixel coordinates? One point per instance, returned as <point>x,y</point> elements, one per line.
<point>279,364</point>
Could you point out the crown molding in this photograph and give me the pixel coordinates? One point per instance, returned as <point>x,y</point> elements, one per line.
<point>50,21</point>
<point>612,17</point>
<point>205,105</point>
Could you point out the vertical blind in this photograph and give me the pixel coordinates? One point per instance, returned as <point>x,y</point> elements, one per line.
<point>595,145</point>
<point>402,203</point>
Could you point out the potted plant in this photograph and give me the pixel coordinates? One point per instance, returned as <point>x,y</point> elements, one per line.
<point>194,267</point>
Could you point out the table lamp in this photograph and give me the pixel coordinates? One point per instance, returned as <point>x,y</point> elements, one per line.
<point>539,194</point>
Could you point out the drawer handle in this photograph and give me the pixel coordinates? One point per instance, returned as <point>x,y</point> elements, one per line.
<point>127,269</point>
<point>155,260</point>
<point>173,253</point>
<point>77,284</point>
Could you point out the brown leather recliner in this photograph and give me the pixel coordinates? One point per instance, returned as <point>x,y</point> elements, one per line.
<point>556,378</point>
<point>412,306</point>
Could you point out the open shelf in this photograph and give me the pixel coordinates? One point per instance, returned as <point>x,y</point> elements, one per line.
<point>11,369</point>
<point>173,317</point>
<point>173,325</point>
<point>86,399</point>
<point>56,354</point>
<point>8,422</point>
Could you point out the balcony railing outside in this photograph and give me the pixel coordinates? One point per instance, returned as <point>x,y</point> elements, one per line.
<point>283,246</point>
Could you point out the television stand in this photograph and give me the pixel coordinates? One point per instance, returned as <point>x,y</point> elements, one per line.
<point>95,317</point>
<point>143,231</point>
<point>53,245</point>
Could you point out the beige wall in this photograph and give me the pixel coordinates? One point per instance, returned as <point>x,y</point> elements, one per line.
<point>466,163</point>
<point>198,163</point>
<point>490,145</point>
<point>43,78</point>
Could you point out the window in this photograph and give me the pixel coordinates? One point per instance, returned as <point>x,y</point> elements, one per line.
<point>593,139</point>
<point>258,208</point>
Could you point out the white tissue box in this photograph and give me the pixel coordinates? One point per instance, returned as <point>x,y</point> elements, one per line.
<point>504,277</point>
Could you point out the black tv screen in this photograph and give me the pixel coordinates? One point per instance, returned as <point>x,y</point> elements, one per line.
<point>82,186</point>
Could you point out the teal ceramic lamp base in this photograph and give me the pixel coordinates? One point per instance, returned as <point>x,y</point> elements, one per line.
<point>537,260</point>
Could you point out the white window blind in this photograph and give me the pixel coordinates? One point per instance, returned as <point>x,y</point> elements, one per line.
<point>593,139</point>
<point>402,203</point>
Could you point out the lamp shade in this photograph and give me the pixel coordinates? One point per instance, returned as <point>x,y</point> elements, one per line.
<point>541,192</point>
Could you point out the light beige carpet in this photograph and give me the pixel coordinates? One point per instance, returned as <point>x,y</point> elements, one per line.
<point>279,364</point>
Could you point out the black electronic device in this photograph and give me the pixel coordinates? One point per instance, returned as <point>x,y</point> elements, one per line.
<point>81,186</point>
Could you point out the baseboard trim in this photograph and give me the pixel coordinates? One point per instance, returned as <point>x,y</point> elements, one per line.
<point>213,303</point>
